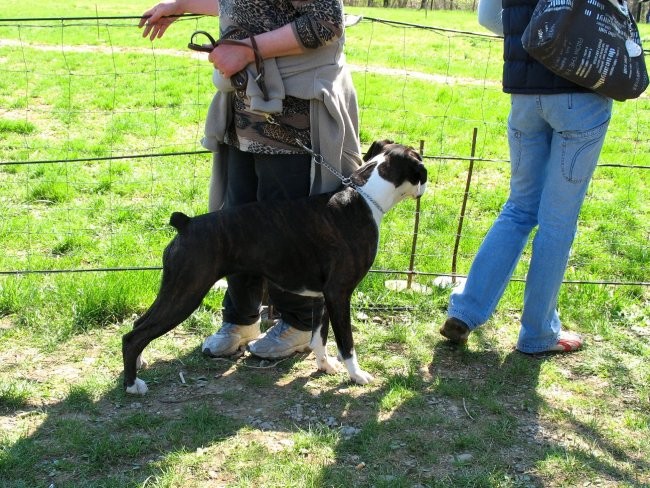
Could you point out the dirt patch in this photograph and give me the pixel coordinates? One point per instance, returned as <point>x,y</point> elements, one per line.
<point>433,78</point>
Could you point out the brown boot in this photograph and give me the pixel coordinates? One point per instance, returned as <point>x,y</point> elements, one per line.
<point>455,330</point>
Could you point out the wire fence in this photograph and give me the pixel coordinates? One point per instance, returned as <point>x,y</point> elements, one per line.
<point>101,133</point>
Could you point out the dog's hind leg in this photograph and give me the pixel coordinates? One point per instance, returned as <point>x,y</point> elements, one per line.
<point>182,289</point>
<point>319,346</point>
<point>338,306</point>
<point>163,318</point>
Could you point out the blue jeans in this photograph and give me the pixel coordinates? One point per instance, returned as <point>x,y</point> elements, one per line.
<point>555,141</point>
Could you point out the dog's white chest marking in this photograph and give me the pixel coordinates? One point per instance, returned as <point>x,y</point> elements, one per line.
<point>379,190</point>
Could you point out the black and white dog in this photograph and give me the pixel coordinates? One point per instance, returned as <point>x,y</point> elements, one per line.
<point>322,245</point>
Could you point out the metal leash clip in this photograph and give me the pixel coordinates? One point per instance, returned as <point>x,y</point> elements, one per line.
<point>345,180</point>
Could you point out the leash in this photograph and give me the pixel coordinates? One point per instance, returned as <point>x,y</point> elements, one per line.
<point>240,79</point>
<point>345,180</point>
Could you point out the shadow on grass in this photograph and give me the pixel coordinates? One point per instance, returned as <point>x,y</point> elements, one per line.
<point>115,440</point>
<point>475,420</point>
<point>467,418</point>
<point>456,429</point>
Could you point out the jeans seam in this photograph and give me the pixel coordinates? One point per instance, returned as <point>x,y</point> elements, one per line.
<point>569,166</point>
<point>514,161</point>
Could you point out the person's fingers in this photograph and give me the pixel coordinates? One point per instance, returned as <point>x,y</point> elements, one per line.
<point>160,31</point>
<point>149,18</point>
<point>155,29</point>
<point>149,31</point>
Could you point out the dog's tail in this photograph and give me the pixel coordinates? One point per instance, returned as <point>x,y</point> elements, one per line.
<point>179,221</point>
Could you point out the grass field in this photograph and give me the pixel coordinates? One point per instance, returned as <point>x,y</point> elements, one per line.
<point>74,93</point>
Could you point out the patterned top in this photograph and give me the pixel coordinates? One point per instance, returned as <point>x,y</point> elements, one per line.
<point>315,23</point>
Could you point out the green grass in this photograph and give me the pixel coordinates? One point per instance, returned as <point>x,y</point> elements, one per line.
<point>435,416</point>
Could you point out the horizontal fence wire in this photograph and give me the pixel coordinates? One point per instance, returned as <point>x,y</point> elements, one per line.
<point>187,153</point>
<point>101,148</point>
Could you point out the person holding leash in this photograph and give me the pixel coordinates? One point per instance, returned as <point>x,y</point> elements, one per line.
<point>283,90</point>
<point>556,131</point>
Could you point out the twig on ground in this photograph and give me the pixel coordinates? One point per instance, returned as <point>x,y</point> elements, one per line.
<point>466,411</point>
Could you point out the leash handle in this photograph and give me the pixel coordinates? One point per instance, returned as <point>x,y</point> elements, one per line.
<point>204,48</point>
<point>240,79</point>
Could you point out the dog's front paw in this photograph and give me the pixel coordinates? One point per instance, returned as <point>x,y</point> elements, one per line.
<point>140,362</point>
<point>138,387</point>
<point>329,365</point>
<point>360,377</point>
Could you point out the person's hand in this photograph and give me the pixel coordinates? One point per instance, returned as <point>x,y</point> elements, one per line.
<point>230,59</point>
<point>156,20</point>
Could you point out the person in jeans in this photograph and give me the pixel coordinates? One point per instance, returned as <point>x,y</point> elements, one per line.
<point>556,131</point>
<point>299,94</point>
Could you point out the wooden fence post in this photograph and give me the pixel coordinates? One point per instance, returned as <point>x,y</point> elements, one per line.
<point>416,228</point>
<point>462,209</point>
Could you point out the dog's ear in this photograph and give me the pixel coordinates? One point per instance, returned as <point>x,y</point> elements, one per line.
<point>411,170</point>
<point>419,170</point>
<point>376,148</point>
<point>411,152</point>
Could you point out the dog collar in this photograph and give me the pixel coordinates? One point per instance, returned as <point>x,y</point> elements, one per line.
<point>366,196</point>
<point>347,182</point>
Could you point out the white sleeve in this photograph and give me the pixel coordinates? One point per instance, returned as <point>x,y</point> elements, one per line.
<point>489,15</point>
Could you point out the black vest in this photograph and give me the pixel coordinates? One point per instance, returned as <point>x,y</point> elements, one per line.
<point>521,73</point>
